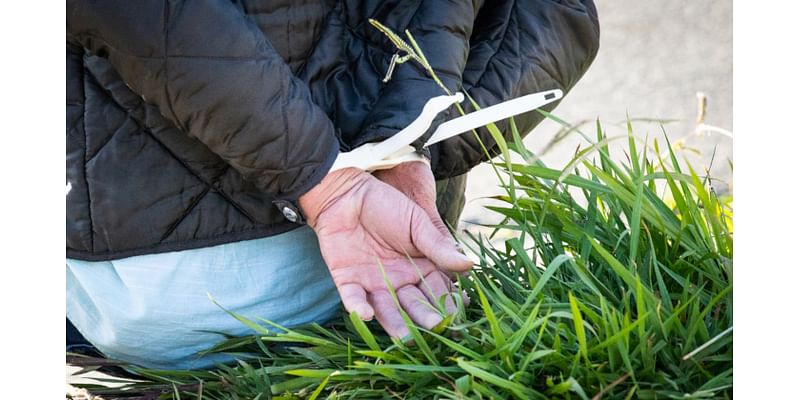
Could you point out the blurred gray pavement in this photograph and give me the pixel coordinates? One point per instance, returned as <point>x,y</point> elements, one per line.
<point>654,57</point>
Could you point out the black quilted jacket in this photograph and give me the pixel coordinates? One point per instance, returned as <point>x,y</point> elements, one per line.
<point>188,120</point>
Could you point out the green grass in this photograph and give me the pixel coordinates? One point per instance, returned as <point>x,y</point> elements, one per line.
<point>616,284</point>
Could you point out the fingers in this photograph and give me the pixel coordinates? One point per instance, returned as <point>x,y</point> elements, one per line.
<point>433,214</point>
<point>417,301</point>
<point>399,272</point>
<point>436,245</point>
<point>387,314</point>
<point>428,203</point>
<point>354,298</point>
<point>407,271</point>
<point>437,285</point>
<point>417,307</point>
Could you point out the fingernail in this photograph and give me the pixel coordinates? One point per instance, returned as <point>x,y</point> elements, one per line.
<point>433,321</point>
<point>365,314</point>
<point>465,257</point>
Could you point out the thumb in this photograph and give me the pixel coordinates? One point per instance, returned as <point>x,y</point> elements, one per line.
<point>436,245</point>
<point>429,205</point>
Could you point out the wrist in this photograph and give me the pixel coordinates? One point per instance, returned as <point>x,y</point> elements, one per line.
<point>332,186</point>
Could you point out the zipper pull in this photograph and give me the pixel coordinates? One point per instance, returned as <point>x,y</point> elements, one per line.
<point>396,59</point>
<point>392,64</point>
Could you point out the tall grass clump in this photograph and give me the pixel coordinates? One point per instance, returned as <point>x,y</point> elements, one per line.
<point>616,283</point>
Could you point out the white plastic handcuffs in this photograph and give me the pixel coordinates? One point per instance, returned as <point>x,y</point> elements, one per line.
<point>397,149</point>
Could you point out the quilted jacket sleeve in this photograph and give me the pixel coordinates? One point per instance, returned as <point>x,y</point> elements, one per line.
<point>211,71</point>
<point>517,48</point>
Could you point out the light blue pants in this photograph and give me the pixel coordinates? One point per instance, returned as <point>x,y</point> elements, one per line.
<point>154,310</point>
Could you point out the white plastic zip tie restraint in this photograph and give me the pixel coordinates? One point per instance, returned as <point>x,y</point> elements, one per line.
<point>397,149</point>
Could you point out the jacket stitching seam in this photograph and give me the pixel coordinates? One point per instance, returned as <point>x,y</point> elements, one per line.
<point>174,56</point>
<point>284,118</point>
<point>143,126</point>
<point>289,18</point>
<point>111,136</point>
<point>185,214</point>
<point>73,132</point>
<point>203,180</point>
<point>165,60</point>
<point>308,178</point>
<point>500,44</point>
<point>85,153</point>
<point>200,178</point>
<point>317,40</point>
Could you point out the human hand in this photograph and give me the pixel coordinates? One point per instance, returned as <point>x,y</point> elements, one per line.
<point>361,221</point>
<point>415,180</point>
